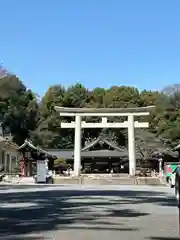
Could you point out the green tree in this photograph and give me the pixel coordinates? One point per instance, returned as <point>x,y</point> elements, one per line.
<point>164,119</point>
<point>48,133</point>
<point>121,96</point>
<point>76,96</point>
<point>18,108</point>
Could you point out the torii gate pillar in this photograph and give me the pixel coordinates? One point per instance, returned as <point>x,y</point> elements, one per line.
<point>131,146</point>
<point>77,146</point>
<point>78,113</point>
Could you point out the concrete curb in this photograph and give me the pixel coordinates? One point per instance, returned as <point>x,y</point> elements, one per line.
<point>153,181</point>
<point>111,181</point>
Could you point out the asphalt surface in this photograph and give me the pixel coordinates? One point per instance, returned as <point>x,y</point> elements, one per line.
<point>88,212</point>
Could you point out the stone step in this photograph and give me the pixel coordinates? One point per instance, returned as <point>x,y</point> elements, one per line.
<point>109,181</point>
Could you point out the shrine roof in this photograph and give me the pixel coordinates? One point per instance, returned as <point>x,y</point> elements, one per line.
<point>104,110</point>
<point>89,152</point>
<point>103,140</point>
<point>102,153</point>
<point>177,148</point>
<point>31,146</point>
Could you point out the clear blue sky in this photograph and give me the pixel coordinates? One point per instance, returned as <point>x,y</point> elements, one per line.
<point>98,42</point>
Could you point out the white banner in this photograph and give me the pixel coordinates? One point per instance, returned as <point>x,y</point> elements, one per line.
<point>41,171</point>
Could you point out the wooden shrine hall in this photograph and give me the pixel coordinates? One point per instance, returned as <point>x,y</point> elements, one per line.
<point>29,155</point>
<point>98,156</point>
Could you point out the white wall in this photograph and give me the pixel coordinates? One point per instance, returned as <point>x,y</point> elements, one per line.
<point>8,158</point>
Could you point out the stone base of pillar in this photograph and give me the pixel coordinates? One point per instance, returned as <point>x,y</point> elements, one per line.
<point>132,170</point>
<point>76,173</point>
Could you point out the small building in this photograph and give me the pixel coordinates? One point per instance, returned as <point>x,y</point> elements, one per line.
<point>8,154</point>
<point>29,155</point>
<point>98,156</point>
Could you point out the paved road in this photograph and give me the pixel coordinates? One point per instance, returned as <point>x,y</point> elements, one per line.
<point>87,212</point>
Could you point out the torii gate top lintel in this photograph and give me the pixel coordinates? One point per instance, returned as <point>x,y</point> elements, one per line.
<point>139,111</point>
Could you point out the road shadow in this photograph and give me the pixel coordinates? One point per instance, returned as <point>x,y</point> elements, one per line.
<point>164,238</point>
<point>22,238</point>
<point>23,213</point>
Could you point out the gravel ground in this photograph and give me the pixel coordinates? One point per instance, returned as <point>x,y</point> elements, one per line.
<point>88,212</point>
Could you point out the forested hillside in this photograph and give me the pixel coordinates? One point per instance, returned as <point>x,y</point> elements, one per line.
<point>25,117</point>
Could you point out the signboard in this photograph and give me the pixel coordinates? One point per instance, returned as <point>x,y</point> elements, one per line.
<point>41,171</point>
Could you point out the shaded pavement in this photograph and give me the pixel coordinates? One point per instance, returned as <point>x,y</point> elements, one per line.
<point>121,212</point>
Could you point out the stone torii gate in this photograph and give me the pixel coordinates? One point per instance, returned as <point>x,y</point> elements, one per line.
<point>104,113</point>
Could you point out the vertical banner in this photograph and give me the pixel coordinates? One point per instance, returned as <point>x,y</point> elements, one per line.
<point>41,171</point>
